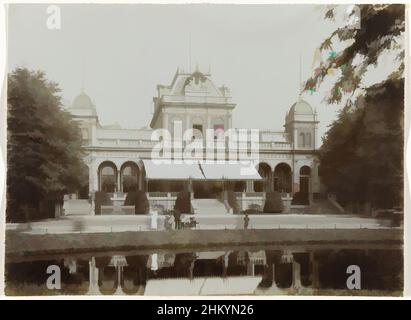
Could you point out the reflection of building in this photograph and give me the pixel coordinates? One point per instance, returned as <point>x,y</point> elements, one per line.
<point>118,159</point>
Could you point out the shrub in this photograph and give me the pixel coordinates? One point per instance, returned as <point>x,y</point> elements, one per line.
<point>130,198</point>
<point>101,199</point>
<point>141,203</point>
<point>183,202</point>
<point>273,203</point>
<point>232,201</point>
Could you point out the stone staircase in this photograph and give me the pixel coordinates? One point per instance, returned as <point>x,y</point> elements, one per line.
<point>209,207</point>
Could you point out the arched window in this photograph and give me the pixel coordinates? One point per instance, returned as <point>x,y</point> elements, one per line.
<point>129,177</point>
<point>282,178</point>
<point>302,140</point>
<point>305,171</point>
<point>305,188</point>
<point>218,126</point>
<point>107,176</point>
<point>107,171</point>
<point>264,170</point>
<point>176,124</point>
<point>308,139</point>
<point>197,128</point>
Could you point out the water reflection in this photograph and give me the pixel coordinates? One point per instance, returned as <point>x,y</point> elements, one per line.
<point>229,272</point>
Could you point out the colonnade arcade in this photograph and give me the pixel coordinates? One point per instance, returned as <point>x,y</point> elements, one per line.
<point>124,179</point>
<point>280,179</point>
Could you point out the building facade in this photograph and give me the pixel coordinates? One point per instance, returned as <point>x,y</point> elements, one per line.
<point>117,158</point>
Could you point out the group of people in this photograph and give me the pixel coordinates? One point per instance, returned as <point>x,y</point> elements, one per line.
<point>176,221</point>
<point>191,223</point>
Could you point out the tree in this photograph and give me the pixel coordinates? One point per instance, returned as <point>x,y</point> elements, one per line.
<point>43,150</point>
<point>273,203</point>
<point>381,30</point>
<point>142,205</point>
<point>361,156</point>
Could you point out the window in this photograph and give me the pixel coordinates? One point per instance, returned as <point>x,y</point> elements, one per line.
<point>107,171</point>
<point>308,140</point>
<point>177,127</point>
<point>302,140</point>
<point>305,140</point>
<point>218,127</point>
<point>198,131</point>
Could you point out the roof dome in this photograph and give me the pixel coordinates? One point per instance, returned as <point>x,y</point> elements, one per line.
<point>301,107</point>
<point>83,101</point>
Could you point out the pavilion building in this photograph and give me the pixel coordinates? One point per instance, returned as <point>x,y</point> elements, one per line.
<point>121,159</point>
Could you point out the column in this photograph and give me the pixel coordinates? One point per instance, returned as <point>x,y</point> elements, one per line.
<point>295,140</point>
<point>249,186</point>
<point>250,268</point>
<point>225,264</point>
<point>92,176</point>
<point>187,123</point>
<point>154,262</point>
<point>296,275</point>
<point>118,187</point>
<point>93,204</point>
<point>274,284</point>
<point>94,134</point>
<point>296,179</point>
<point>119,290</point>
<point>165,120</point>
<point>93,278</point>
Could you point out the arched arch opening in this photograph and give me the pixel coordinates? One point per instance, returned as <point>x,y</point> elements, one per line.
<point>107,175</point>
<point>282,178</point>
<point>264,171</point>
<point>129,177</point>
<point>218,127</point>
<point>305,174</point>
<point>308,139</point>
<point>176,125</point>
<point>198,128</point>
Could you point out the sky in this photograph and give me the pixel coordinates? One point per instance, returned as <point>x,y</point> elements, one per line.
<point>120,53</point>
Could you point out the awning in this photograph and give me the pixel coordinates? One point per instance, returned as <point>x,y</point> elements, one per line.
<point>200,171</point>
<point>172,171</point>
<point>230,171</point>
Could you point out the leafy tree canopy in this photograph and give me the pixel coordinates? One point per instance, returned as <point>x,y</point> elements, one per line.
<point>362,153</point>
<point>43,149</point>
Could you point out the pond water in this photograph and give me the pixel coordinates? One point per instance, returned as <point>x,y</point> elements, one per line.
<point>227,271</point>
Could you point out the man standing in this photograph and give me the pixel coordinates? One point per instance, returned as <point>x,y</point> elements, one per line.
<point>177,219</point>
<point>246,221</point>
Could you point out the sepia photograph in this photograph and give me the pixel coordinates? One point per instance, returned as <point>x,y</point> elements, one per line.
<point>185,150</point>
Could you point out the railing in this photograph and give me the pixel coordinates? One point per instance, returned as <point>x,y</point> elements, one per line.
<point>196,99</point>
<point>139,143</point>
<point>161,194</point>
<point>162,200</point>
